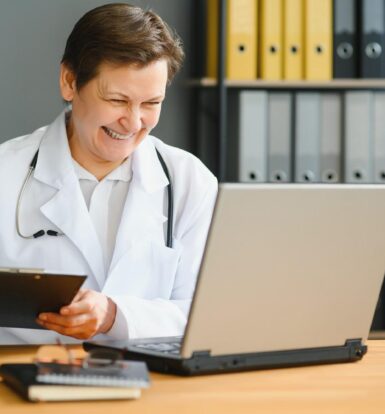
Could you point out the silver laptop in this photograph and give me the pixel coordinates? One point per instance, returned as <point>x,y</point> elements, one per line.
<point>291,275</point>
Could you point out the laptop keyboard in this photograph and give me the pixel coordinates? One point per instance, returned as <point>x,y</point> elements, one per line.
<point>166,347</point>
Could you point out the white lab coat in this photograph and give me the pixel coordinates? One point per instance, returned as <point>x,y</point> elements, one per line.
<point>151,284</point>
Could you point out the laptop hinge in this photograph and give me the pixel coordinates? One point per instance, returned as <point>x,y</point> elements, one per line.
<point>200,354</point>
<point>357,349</point>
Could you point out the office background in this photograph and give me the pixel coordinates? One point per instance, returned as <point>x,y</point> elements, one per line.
<point>32,40</point>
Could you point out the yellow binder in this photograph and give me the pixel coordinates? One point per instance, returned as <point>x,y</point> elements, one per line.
<point>211,38</point>
<point>293,45</point>
<point>271,39</point>
<point>241,39</point>
<point>318,39</point>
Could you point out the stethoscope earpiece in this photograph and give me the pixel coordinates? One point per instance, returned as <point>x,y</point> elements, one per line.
<point>38,234</point>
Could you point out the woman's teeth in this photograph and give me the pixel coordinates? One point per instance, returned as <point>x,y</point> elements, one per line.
<point>114,134</point>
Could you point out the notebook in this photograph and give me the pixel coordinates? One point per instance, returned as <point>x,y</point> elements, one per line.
<point>119,374</point>
<point>62,382</point>
<point>22,378</point>
<point>290,276</point>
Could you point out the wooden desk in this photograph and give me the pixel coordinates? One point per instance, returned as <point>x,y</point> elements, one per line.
<point>342,388</point>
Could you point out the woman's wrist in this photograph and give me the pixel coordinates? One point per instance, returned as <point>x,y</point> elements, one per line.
<point>110,316</point>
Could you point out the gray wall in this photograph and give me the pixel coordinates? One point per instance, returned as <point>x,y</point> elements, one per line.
<point>32,39</point>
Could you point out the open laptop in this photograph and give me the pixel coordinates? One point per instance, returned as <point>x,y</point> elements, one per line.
<point>290,276</point>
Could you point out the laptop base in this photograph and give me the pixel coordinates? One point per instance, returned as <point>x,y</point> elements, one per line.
<point>202,363</point>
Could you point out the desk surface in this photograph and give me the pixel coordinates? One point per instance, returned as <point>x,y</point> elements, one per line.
<point>341,388</point>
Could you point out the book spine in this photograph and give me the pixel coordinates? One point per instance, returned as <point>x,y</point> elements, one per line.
<point>16,385</point>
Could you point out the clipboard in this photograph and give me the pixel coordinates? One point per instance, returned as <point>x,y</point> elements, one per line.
<point>24,293</point>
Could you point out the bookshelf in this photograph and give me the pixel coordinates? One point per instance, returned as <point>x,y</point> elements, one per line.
<point>220,88</point>
<point>286,84</point>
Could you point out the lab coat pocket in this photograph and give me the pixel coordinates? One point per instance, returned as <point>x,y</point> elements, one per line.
<point>146,270</point>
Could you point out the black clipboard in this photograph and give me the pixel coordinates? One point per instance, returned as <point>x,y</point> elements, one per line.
<point>24,293</point>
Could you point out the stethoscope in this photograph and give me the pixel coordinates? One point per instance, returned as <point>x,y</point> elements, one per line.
<point>32,166</point>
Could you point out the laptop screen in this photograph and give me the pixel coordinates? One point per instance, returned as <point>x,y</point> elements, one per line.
<point>288,267</point>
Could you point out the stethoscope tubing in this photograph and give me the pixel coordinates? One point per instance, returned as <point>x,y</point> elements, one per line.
<point>32,166</point>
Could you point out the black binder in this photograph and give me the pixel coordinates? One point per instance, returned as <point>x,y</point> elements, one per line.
<point>345,42</point>
<point>372,49</point>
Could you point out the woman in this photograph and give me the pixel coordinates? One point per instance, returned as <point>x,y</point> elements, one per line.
<point>99,184</point>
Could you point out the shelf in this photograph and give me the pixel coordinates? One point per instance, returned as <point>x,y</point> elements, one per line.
<point>302,84</point>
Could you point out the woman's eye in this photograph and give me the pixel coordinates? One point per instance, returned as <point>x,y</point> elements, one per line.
<point>118,101</point>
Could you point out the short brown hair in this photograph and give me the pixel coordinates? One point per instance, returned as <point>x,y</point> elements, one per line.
<point>120,33</point>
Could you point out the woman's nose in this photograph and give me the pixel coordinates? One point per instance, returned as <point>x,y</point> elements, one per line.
<point>132,121</point>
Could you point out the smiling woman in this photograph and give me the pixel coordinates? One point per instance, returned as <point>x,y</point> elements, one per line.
<point>99,180</point>
<point>112,113</point>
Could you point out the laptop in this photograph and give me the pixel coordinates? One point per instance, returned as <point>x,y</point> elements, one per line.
<point>290,276</point>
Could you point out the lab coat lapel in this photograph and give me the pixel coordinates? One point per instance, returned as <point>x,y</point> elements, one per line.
<point>67,208</point>
<point>142,219</point>
<point>68,211</point>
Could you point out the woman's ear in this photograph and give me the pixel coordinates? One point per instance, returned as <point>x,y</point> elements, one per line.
<point>67,83</point>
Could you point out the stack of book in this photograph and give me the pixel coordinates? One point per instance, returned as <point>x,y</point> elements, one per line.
<point>65,382</point>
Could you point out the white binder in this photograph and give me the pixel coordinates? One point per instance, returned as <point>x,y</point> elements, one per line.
<point>379,137</point>
<point>307,137</point>
<point>331,137</point>
<point>252,136</point>
<point>359,117</point>
<point>279,137</point>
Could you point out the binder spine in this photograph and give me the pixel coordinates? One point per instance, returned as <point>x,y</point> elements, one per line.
<point>252,136</point>
<point>212,28</point>
<point>293,42</point>
<point>271,53</point>
<point>280,137</point>
<point>372,51</point>
<point>379,137</point>
<point>345,48</point>
<point>359,137</point>
<point>331,137</point>
<point>318,39</point>
<point>307,137</point>
<point>242,39</point>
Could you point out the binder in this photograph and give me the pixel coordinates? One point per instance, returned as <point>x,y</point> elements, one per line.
<point>280,128</point>
<point>212,29</point>
<point>372,39</point>
<point>271,50</point>
<point>293,51</point>
<point>345,46</point>
<point>241,39</point>
<point>331,137</point>
<point>318,39</point>
<point>252,136</point>
<point>206,127</point>
<point>379,137</point>
<point>307,137</point>
<point>358,137</point>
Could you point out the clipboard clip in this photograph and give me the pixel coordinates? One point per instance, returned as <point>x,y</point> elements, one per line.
<point>21,270</point>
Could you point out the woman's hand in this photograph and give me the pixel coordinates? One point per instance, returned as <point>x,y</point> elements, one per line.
<point>89,314</point>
